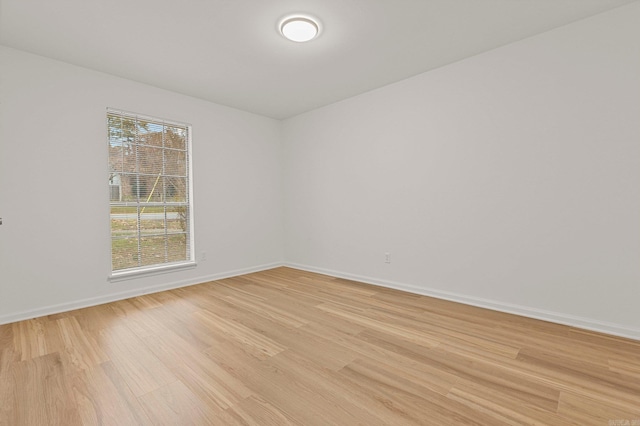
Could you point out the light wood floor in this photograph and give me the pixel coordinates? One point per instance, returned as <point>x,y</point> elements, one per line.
<point>291,347</point>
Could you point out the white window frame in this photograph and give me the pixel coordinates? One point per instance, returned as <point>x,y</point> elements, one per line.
<point>160,268</point>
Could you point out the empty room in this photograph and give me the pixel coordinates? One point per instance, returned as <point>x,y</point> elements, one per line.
<point>337,212</point>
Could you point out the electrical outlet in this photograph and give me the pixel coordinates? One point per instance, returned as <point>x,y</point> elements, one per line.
<point>387,257</point>
<point>203,256</point>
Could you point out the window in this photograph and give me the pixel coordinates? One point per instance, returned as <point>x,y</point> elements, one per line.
<point>149,193</point>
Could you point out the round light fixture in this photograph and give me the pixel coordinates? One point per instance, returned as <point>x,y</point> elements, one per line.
<point>299,29</point>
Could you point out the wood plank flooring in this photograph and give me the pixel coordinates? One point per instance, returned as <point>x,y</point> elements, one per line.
<point>284,347</point>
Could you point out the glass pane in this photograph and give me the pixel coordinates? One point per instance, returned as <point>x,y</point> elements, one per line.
<point>175,163</point>
<point>124,221</point>
<point>152,220</point>
<point>121,129</point>
<point>116,158</point>
<point>149,160</point>
<point>124,253</point>
<point>177,248</point>
<point>150,134</point>
<point>128,158</point>
<point>128,187</point>
<point>177,219</point>
<point>175,137</point>
<point>175,189</point>
<point>153,250</point>
<point>135,189</point>
<point>152,189</point>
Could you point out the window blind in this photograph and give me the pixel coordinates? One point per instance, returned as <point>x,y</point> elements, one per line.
<point>149,192</point>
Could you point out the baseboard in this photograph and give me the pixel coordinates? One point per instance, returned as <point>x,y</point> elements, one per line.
<point>113,297</point>
<point>555,317</point>
<point>525,311</point>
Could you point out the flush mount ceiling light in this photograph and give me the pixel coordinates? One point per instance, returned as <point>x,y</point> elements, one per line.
<point>299,28</point>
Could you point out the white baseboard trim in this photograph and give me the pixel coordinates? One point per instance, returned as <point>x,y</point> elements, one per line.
<point>113,297</point>
<point>525,311</point>
<point>555,317</point>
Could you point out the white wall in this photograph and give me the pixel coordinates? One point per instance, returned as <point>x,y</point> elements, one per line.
<point>510,179</point>
<point>54,243</point>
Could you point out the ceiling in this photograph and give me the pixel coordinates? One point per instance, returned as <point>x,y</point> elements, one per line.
<point>230,51</point>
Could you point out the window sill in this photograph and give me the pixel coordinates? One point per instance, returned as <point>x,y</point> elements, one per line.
<point>150,271</point>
